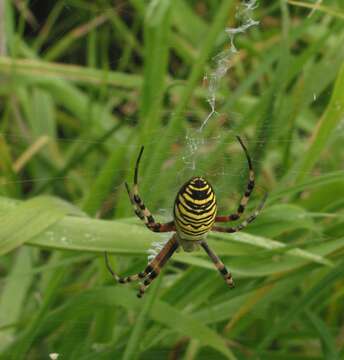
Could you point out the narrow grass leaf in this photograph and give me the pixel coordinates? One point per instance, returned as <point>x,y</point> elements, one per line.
<point>156,34</point>
<point>160,311</point>
<point>39,70</point>
<point>309,298</point>
<point>328,341</point>
<point>131,350</point>
<point>326,126</point>
<point>14,293</point>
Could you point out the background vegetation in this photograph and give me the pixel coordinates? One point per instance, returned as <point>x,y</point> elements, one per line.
<point>83,86</point>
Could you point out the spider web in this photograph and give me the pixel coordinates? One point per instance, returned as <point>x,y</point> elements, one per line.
<point>195,140</point>
<point>221,64</point>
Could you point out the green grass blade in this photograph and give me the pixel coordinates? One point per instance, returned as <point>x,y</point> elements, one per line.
<point>14,293</point>
<point>328,342</point>
<point>156,56</point>
<point>309,298</point>
<point>140,324</point>
<point>28,336</point>
<point>40,71</point>
<point>105,181</point>
<point>326,126</point>
<point>160,311</point>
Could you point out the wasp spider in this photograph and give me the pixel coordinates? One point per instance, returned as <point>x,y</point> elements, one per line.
<point>195,213</point>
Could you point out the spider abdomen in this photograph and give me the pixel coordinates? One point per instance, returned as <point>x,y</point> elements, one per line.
<point>195,209</point>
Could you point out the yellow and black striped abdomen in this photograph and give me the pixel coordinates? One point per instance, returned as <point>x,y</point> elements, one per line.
<point>195,209</point>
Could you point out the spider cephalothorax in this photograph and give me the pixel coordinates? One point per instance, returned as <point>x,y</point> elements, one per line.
<point>195,213</point>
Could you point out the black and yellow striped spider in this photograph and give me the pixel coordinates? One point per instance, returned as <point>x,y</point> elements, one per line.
<point>194,216</point>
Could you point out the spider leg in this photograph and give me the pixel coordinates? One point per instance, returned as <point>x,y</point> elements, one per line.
<point>125,279</point>
<point>158,262</point>
<point>139,207</point>
<point>137,210</point>
<point>149,220</point>
<point>151,271</point>
<point>219,265</point>
<point>245,222</point>
<point>248,191</point>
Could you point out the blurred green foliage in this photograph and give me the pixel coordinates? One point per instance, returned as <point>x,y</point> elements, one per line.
<point>82,86</point>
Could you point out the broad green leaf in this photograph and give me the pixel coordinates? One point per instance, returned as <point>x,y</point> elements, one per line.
<point>84,234</point>
<point>28,220</point>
